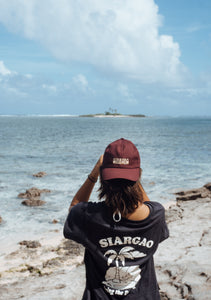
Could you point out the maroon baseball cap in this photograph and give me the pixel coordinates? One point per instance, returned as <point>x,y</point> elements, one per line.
<point>121,160</point>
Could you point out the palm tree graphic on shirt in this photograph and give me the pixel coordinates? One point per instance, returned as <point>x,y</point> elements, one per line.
<point>121,276</point>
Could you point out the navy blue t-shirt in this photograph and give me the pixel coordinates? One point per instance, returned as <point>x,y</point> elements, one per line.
<point>118,255</point>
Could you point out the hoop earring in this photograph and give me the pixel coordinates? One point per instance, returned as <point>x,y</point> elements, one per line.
<point>117,212</point>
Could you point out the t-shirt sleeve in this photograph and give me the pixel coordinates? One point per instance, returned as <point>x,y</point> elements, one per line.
<point>74,227</point>
<point>164,229</point>
<point>157,220</point>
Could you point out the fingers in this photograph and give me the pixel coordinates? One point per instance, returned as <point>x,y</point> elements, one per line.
<point>101,160</point>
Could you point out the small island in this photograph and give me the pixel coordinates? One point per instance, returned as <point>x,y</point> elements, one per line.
<point>113,113</point>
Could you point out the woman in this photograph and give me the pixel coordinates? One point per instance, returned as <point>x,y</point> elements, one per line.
<point>121,233</point>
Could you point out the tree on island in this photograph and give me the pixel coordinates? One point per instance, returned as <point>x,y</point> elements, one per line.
<point>111,111</point>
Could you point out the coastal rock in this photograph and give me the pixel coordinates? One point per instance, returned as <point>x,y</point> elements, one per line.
<point>30,244</point>
<point>208,186</point>
<point>164,296</point>
<point>0,219</point>
<point>32,196</point>
<point>40,174</point>
<point>182,261</point>
<point>33,193</point>
<point>54,262</point>
<point>70,248</point>
<point>174,213</point>
<point>55,221</point>
<point>203,192</point>
<point>33,202</point>
<point>34,270</point>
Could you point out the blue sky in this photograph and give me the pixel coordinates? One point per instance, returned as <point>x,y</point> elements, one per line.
<point>78,57</point>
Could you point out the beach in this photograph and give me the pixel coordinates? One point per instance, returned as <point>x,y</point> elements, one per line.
<point>44,160</point>
<point>183,262</point>
<point>52,268</point>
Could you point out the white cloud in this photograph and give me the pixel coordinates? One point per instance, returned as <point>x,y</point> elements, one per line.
<point>206,79</point>
<point>29,76</point>
<point>126,94</point>
<point>188,92</point>
<point>50,88</point>
<point>3,70</point>
<point>16,92</point>
<point>14,85</point>
<point>119,36</point>
<point>81,85</point>
<point>194,28</point>
<point>81,81</point>
<point>123,89</point>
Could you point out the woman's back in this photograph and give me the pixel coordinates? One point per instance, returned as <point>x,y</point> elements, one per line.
<point>119,255</point>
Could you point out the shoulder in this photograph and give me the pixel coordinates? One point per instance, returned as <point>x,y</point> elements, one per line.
<point>155,205</point>
<point>89,212</point>
<point>78,209</point>
<point>87,207</point>
<point>156,209</point>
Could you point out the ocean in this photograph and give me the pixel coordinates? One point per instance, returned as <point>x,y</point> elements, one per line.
<point>175,154</point>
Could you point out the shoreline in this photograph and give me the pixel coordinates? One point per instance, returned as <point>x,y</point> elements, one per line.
<point>113,115</point>
<point>54,269</point>
<point>183,264</point>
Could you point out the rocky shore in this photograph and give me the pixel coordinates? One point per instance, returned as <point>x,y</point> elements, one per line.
<point>183,261</point>
<point>32,196</point>
<point>52,268</point>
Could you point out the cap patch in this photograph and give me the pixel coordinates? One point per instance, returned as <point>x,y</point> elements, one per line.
<point>120,161</point>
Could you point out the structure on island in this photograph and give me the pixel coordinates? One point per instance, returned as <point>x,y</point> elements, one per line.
<point>113,113</point>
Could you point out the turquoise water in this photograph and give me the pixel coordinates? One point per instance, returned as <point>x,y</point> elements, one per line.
<point>175,154</point>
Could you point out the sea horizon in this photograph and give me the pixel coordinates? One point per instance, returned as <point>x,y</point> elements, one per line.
<point>98,113</point>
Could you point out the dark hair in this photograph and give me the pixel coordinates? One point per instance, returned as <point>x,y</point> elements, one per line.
<point>121,194</point>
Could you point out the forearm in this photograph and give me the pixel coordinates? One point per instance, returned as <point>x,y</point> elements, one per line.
<point>84,192</point>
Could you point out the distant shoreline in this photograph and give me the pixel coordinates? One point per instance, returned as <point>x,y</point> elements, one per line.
<point>100,115</point>
<point>112,115</point>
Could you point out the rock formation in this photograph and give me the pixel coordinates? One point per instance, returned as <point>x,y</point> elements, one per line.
<point>30,244</point>
<point>203,192</point>
<point>182,261</point>
<point>40,174</point>
<point>33,202</point>
<point>55,221</point>
<point>32,196</point>
<point>33,193</point>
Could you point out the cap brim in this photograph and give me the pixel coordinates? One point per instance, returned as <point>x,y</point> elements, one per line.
<point>119,173</point>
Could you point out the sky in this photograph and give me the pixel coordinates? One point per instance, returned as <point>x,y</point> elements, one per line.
<point>75,57</point>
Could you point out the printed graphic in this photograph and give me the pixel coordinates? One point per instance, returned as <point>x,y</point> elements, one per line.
<point>120,279</point>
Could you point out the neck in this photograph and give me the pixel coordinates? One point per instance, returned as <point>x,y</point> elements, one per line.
<point>141,213</point>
